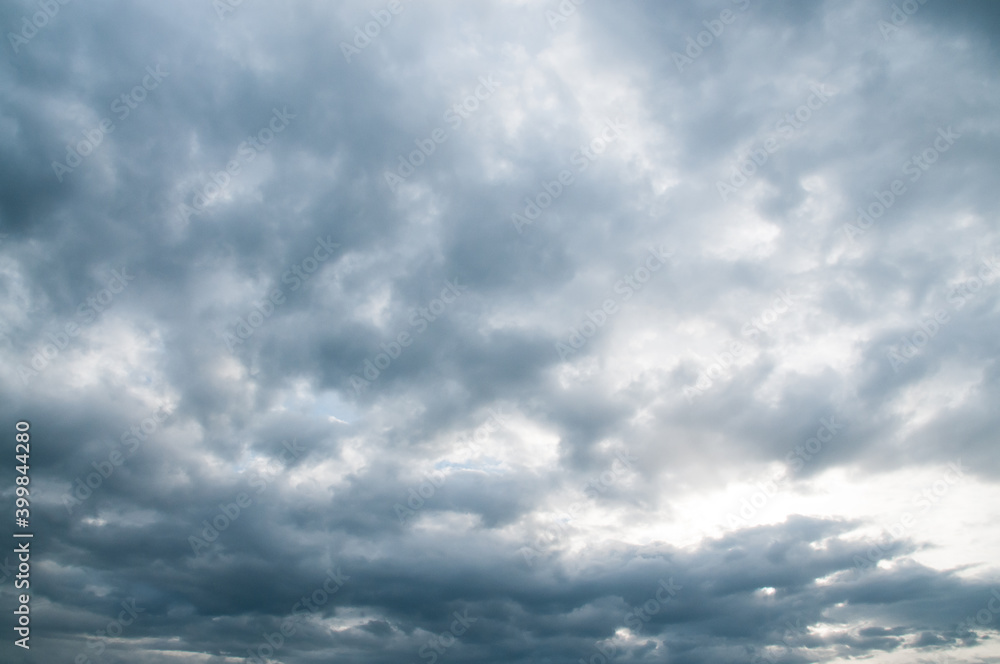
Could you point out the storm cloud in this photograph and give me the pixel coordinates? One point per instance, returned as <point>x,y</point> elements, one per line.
<point>504,331</point>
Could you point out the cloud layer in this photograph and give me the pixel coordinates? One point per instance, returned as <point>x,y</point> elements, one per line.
<point>504,331</point>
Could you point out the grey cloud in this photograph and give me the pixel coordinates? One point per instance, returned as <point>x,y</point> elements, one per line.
<point>236,396</point>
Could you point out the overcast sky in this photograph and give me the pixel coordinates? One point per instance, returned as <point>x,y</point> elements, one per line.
<point>503,331</point>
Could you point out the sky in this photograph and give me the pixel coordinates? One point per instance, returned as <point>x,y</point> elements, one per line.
<point>502,331</point>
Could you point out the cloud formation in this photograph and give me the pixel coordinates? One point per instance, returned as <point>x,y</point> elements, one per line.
<point>503,331</point>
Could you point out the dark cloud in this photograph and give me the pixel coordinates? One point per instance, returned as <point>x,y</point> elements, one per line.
<point>278,432</point>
